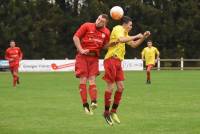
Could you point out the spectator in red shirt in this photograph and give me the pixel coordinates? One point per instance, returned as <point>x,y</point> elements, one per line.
<point>89,39</point>
<point>14,55</point>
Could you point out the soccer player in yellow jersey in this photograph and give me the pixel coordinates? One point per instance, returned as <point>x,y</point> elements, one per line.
<point>112,64</point>
<point>149,54</point>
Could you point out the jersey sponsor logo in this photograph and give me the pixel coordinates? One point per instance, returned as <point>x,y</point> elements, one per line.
<point>103,35</point>
<point>91,32</point>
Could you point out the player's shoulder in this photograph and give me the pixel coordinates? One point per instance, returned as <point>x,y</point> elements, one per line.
<point>154,47</point>
<point>8,49</point>
<point>118,27</point>
<point>106,30</point>
<point>88,24</point>
<point>17,48</point>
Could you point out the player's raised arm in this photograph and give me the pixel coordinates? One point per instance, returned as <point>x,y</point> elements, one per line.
<point>140,38</point>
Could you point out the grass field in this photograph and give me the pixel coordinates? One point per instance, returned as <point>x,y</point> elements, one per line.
<point>49,103</point>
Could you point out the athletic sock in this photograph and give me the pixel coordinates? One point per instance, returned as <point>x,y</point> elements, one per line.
<point>93,93</point>
<point>14,80</point>
<point>107,101</point>
<point>117,99</point>
<point>148,75</point>
<point>83,93</point>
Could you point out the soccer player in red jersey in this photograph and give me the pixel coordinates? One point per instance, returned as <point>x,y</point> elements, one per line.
<point>89,39</point>
<point>14,55</point>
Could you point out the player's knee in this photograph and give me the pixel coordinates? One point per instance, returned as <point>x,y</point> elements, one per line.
<point>15,74</point>
<point>110,87</point>
<point>83,80</point>
<point>120,89</point>
<point>92,80</point>
<point>109,90</point>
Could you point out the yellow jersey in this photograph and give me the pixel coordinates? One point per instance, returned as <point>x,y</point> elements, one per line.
<point>117,50</point>
<point>149,54</point>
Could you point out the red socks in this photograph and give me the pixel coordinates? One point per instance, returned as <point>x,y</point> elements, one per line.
<point>93,93</point>
<point>148,71</point>
<point>117,99</point>
<point>148,75</point>
<point>15,78</point>
<point>83,93</point>
<point>107,101</point>
<point>107,98</point>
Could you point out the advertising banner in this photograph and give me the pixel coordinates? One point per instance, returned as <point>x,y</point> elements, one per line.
<point>67,65</point>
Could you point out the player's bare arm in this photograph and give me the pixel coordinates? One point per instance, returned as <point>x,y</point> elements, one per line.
<point>147,34</point>
<point>157,57</point>
<point>111,44</point>
<point>77,43</point>
<point>21,55</point>
<point>142,56</point>
<point>130,38</point>
<point>140,38</point>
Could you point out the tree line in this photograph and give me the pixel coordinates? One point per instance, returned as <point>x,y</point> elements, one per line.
<point>44,28</point>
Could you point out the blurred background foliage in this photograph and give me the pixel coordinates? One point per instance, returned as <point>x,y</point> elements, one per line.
<point>44,28</point>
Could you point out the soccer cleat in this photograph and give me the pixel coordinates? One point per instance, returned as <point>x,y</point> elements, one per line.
<point>108,119</point>
<point>87,109</point>
<point>93,106</point>
<point>148,82</point>
<point>115,118</point>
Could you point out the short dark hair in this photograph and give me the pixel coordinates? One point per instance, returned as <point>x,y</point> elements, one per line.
<point>149,40</point>
<point>126,20</point>
<point>105,16</point>
<point>12,40</point>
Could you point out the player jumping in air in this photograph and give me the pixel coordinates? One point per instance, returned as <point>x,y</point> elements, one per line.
<point>89,39</point>
<point>112,64</point>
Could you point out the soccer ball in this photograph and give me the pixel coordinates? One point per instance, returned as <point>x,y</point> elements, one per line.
<point>116,12</point>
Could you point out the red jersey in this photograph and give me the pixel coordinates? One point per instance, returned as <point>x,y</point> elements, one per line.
<point>93,38</point>
<point>13,55</point>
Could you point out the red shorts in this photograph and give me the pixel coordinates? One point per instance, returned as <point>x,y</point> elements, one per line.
<point>113,70</point>
<point>86,66</point>
<point>14,66</point>
<point>149,66</point>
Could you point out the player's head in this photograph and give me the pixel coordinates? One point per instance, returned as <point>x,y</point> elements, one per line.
<point>149,43</point>
<point>101,21</point>
<point>12,43</point>
<point>127,23</point>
